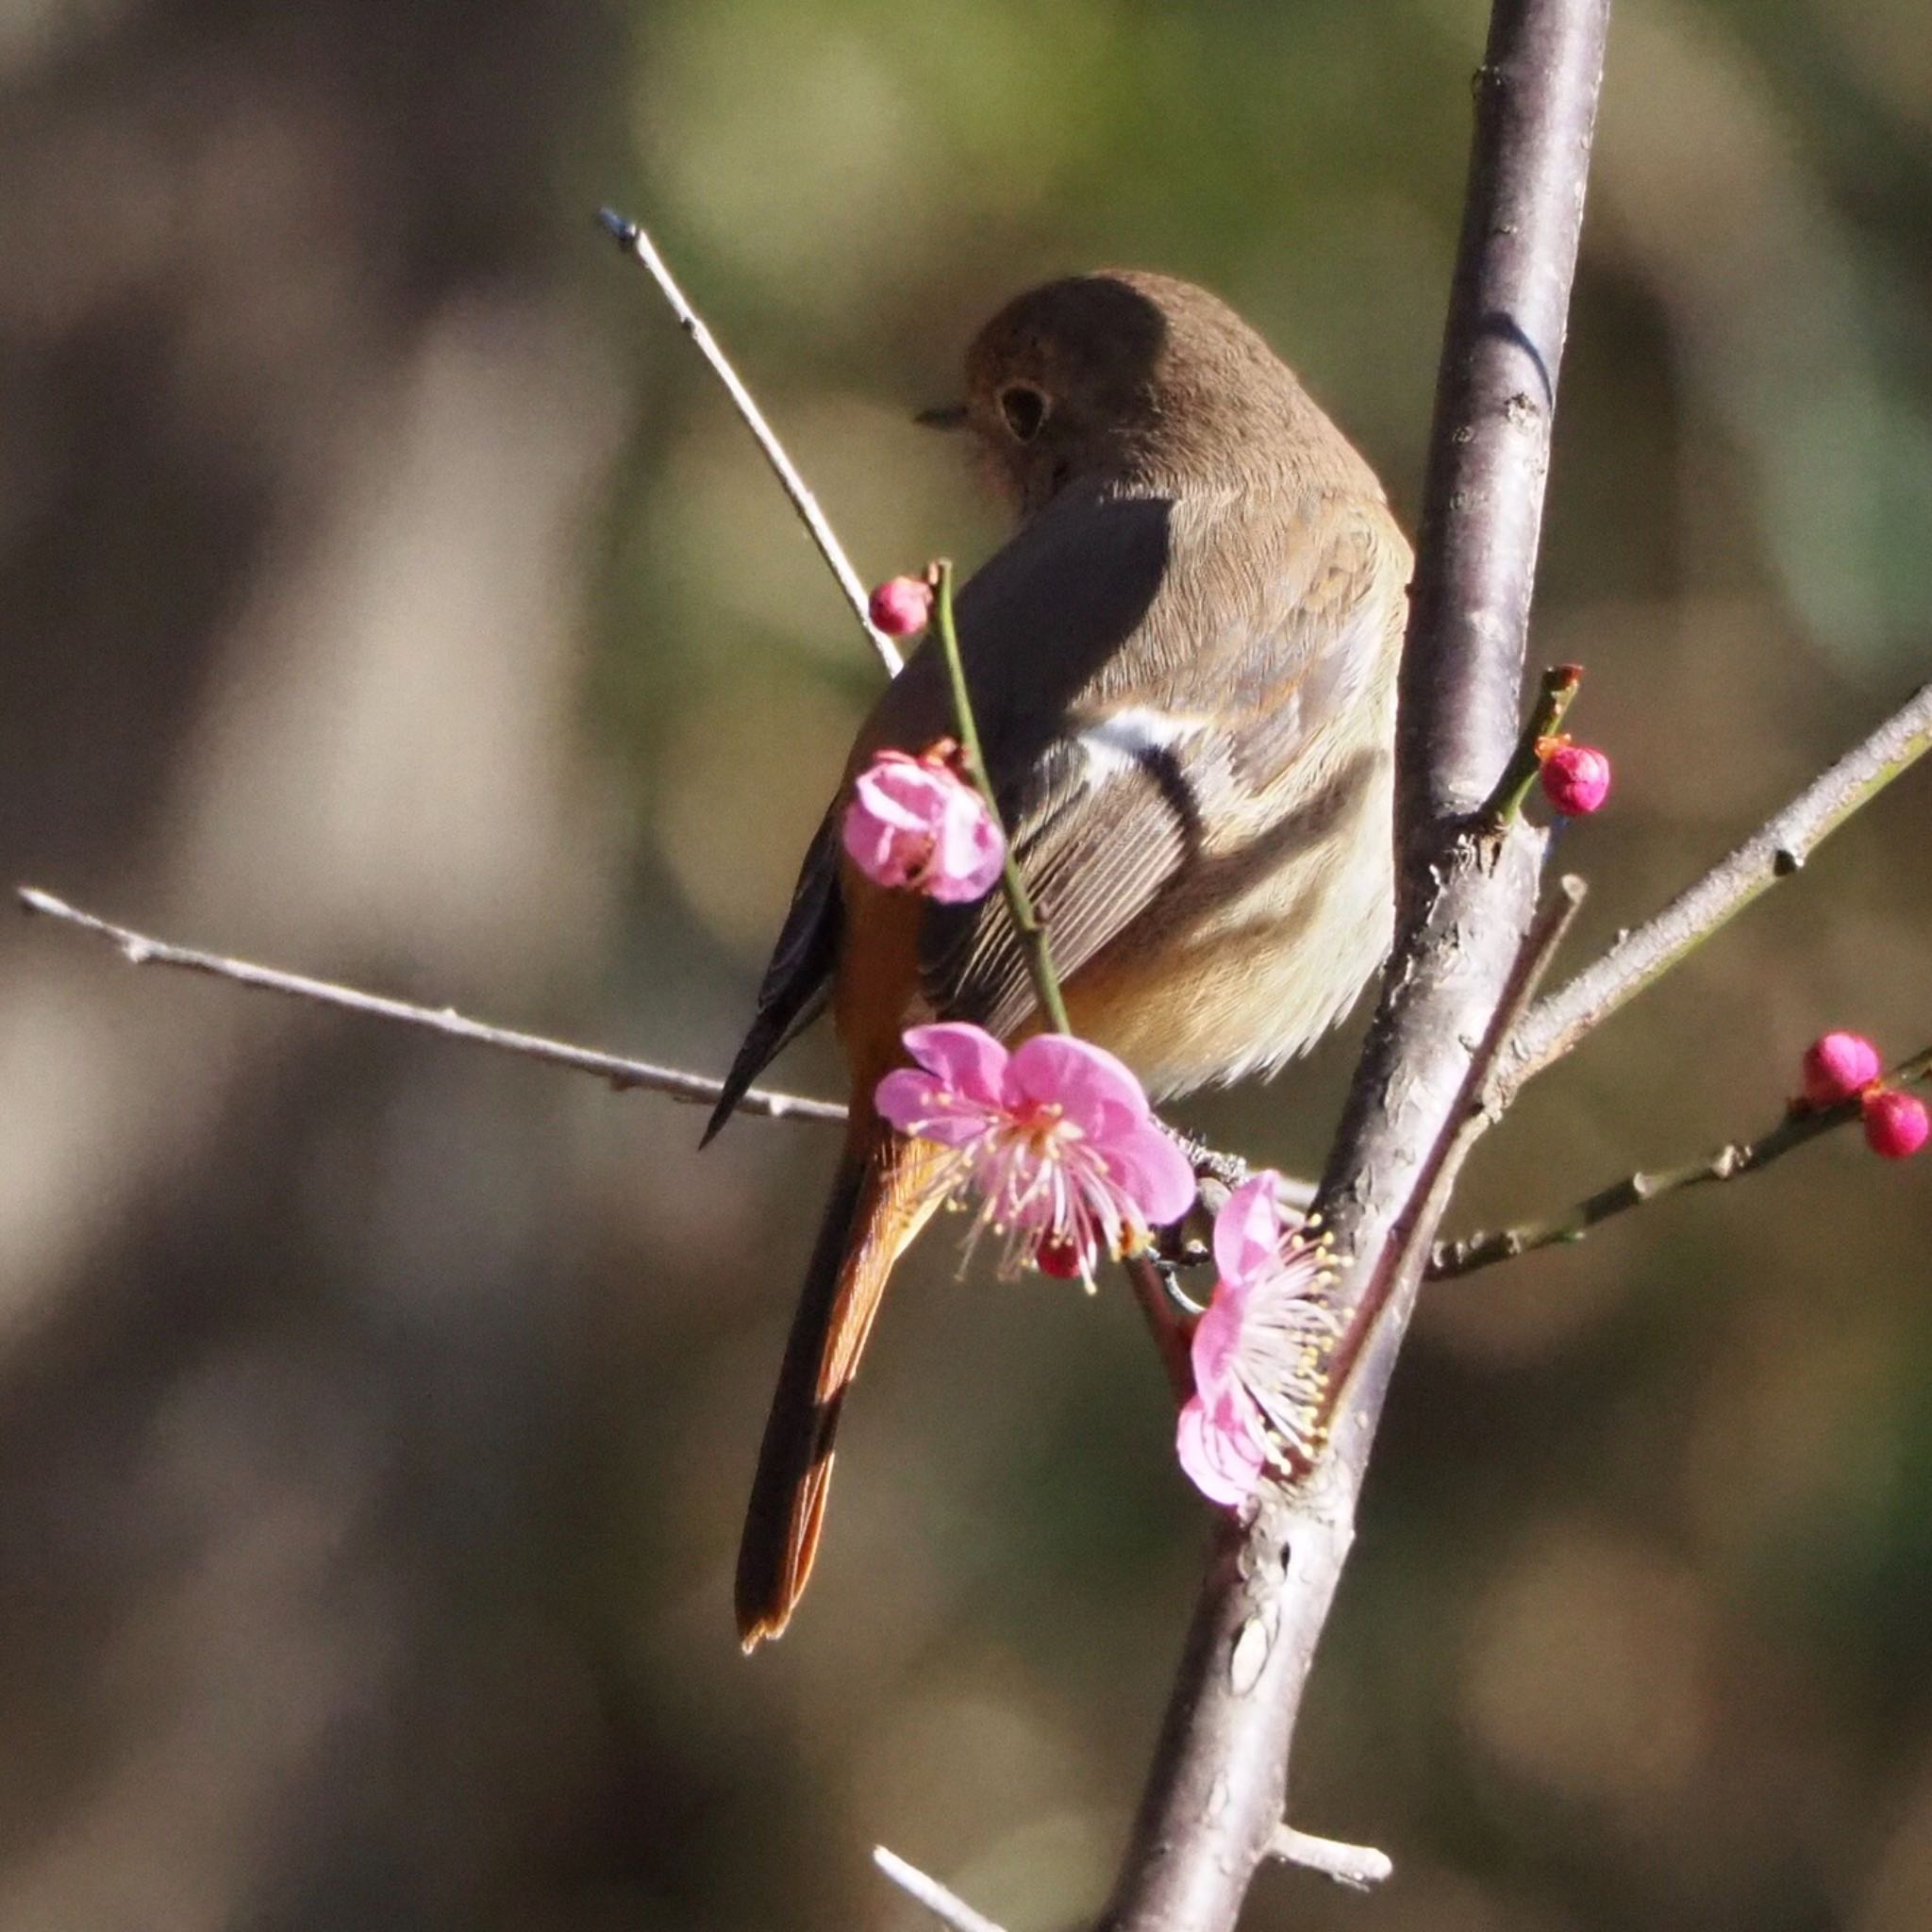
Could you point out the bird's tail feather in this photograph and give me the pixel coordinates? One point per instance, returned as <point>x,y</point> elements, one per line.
<point>879,1201</point>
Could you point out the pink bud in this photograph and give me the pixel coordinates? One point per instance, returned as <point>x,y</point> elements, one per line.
<point>902,607</point>
<point>1577,778</point>
<point>915,822</point>
<point>1839,1066</point>
<point>1897,1125</point>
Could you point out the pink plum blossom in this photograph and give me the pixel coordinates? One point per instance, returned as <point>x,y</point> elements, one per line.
<point>1055,1138</point>
<point>1576,777</point>
<point>1837,1066</point>
<point>901,606</point>
<point>1256,1349</point>
<point>915,822</point>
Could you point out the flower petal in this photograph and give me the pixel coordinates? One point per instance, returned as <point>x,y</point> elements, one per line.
<point>970,852</point>
<point>1097,1092</point>
<point>911,1099</point>
<point>1150,1171</point>
<point>1223,1464</point>
<point>916,1103</point>
<point>966,1058</point>
<point>1250,1229</point>
<point>1215,1349</point>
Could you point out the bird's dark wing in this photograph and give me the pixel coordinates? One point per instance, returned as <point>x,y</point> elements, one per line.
<point>1182,738</point>
<point>798,981</point>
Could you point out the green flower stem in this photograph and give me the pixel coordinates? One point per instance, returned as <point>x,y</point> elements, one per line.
<point>1032,933</point>
<point>1560,687</point>
<point>1799,1126</point>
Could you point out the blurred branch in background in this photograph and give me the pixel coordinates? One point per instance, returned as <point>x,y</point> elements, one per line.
<point>947,1906</point>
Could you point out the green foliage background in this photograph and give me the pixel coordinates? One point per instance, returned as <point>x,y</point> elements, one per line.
<point>389,594</point>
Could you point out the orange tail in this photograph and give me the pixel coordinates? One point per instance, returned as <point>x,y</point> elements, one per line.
<point>875,1210</point>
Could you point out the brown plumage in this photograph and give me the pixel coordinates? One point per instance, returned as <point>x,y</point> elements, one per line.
<point>1183,666</point>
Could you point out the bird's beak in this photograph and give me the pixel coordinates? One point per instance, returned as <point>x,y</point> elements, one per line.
<point>944,416</point>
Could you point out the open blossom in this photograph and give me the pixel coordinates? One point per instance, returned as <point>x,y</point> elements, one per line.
<point>1256,1350</point>
<point>914,822</point>
<point>1837,1066</point>
<point>1055,1139</point>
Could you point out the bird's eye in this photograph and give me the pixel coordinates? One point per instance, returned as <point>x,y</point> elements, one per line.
<point>1024,409</point>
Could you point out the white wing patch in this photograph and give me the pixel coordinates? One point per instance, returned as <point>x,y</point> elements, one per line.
<point>1116,743</point>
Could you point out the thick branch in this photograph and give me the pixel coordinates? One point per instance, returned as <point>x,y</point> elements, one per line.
<point>1215,1796</point>
<point>140,950</point>
<point>1730,1162</point>
<point>1775,850</point>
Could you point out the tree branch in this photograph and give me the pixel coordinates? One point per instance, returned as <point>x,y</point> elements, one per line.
<point>1357,1866</point>
<point>1728,1163</point>
<point>1467,892</point>
<point>633,239</point>
<point>1780,847</point>
<point>140,950</point>
<point>948,1907</point>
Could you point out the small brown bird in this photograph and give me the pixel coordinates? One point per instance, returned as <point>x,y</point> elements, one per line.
<point>1183,666</point>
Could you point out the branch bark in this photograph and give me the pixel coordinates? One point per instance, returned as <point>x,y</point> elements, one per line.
<point>1730,1162</point>
<point>633,241</point>
<point>138,949</point>
<point>1467,897</point>
<point>1779,848</point>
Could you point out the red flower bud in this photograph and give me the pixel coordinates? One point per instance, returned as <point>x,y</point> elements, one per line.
<point>1839,1066</point>
<point>901,606</point>
<point>1059,1255</point>
<point>1897,1125</point>
<point>1577,778</point>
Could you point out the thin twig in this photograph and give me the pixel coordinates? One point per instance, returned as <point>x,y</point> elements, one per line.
<point>1560,687</point>
<point>142,950</point>
<point>1728,1163</point>
<point>1776,850</point>
<point>1358,1867</point>
<point>1164,1323</point>
<point>1034,945</point>
<point>948,1907</point>
<point>628,236</point>
<point>1390,1285</point>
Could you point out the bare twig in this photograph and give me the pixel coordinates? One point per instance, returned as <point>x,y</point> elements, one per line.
<point>948,1907</point>
<point>1475,1109</point>
<point>1164,1323</point>
<point>1358,1867</point>
<point>1777,849</point>
<point>140,950</point>
<point>1560,687</point>
<point>1464,945</point>
<point>1728,1163</point>
<point>628,236</point>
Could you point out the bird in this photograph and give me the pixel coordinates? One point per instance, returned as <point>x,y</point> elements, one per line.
<point>1182,662</point>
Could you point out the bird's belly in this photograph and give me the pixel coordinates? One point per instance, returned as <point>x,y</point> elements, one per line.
<point>1195,997</point>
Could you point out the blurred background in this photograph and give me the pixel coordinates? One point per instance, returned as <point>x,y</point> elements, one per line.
<point>389,594</point>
